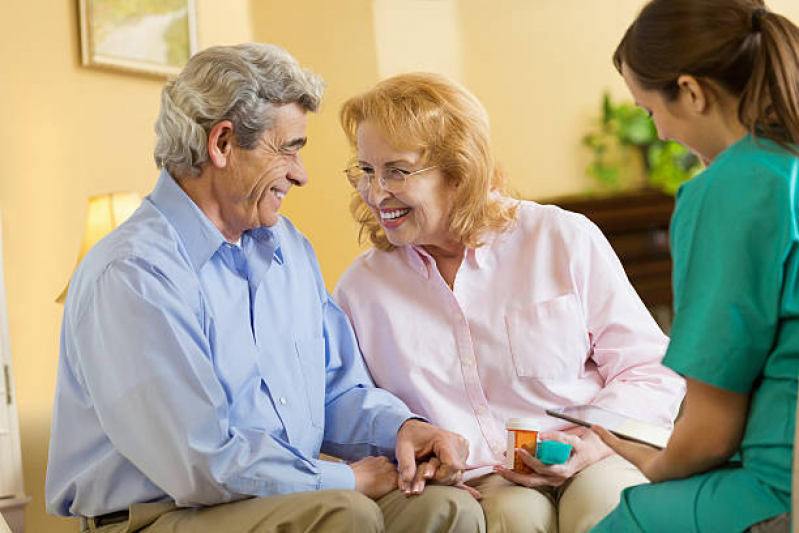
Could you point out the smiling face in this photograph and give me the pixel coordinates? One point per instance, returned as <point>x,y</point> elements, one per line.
<point>251,189</point>
<point>419,213</point>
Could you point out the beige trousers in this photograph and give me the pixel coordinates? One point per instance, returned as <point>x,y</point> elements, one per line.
<point>575,507</point>
<point>437,509</point>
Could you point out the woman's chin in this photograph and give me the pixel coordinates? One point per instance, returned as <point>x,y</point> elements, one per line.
<point>397,238</point>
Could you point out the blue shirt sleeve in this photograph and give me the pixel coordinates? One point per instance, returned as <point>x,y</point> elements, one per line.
<point>360,418</point>
<point>146,360</point>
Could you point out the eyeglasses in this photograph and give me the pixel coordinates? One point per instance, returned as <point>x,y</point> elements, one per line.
<point>392,179</point>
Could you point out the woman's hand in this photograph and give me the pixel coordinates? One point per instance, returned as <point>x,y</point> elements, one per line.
<point>586,450</point>
<point>642,456</point>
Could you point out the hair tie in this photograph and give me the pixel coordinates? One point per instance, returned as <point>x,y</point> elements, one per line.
<point>759,12</point>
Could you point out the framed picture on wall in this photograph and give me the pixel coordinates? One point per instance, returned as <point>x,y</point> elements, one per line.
<point>153,37</point>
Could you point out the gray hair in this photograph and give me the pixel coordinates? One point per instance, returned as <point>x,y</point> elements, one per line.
<point>243,84</point>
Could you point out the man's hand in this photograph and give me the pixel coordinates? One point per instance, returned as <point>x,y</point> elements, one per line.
<point>585,451</point>
<point>374,476</point>
<point>444,454</point>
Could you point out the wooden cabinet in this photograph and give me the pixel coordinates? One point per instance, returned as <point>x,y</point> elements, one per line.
<point>637,226</point>
<point>12,493</point>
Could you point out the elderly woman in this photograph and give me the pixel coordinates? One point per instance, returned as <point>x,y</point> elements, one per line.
<point>475,308</point>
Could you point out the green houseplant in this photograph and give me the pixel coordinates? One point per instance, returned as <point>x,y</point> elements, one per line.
<point>628,154</point>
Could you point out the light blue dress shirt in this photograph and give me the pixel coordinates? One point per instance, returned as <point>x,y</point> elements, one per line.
<point>199,371</point>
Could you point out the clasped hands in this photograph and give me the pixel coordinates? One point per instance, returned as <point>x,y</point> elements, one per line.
<point>425,454</point>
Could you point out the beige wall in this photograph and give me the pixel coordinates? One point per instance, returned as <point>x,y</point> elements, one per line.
<point>69,132</point>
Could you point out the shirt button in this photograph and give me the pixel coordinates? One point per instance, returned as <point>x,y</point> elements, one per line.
<point>480,410</point>
<point>467,361</point>
<point>283,401</point>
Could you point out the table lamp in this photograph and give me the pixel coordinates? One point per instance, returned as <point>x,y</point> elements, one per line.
<point>106,212</point>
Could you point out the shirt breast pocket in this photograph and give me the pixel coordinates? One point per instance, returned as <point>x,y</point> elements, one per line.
<point>549,340</point>
<point>311,354</point>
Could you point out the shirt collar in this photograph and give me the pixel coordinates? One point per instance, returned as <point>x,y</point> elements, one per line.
<point>199,236</point>
<point>418,259</point>
<point>421,261</point>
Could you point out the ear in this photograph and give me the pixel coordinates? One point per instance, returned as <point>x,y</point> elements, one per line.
<point>695,95</point>
<point>220,143</point>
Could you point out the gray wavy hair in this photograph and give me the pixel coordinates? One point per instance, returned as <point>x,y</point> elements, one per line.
<point>243,84</point>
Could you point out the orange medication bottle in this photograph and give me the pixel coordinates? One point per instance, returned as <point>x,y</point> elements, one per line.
<point>522,432</point>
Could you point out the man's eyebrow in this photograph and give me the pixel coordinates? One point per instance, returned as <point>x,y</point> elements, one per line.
<point>296,144</point>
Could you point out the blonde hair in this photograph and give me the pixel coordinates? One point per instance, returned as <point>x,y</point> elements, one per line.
<point>433,115</point>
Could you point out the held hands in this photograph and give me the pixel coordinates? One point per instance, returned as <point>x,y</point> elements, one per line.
<point>374,476</point>
<point>586,450</point>
<point>442,454</point>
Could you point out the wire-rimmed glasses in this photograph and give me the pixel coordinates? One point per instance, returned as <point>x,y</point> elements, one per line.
<point>392,179</point>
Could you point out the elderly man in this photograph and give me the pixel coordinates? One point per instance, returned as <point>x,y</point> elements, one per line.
<point>203,364</point>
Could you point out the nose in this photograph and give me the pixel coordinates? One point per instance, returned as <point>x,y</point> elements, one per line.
<point>297,174</point>
<point>375,193</point>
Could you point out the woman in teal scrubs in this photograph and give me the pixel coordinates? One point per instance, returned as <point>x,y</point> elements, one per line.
<point>722,77</point>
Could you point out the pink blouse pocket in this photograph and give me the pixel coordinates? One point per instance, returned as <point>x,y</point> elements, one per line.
<point>549,339</point>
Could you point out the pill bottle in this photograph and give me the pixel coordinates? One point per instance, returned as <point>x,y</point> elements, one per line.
<point>522,432</point>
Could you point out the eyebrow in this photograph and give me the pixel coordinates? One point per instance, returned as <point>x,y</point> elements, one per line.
<point>296,144</point>
<point>389,163</point>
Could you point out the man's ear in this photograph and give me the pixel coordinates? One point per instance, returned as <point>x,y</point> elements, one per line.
<point>695,95</point>
<point>220,143</point>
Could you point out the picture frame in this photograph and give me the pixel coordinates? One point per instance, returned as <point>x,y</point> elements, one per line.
<point>149,37</point>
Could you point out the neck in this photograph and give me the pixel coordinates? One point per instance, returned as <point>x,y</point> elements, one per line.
<point>725,139</point>
<point>200,190</point>
<point>727,129</point>
<point>448,258</point>
<point>446,251</point>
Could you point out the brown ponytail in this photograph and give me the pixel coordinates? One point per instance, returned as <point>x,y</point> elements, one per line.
<point>751,52</point>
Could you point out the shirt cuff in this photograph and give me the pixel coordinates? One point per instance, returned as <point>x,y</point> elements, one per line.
<point>335,475</point>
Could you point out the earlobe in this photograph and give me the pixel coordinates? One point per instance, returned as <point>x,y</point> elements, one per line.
<point>220,143</point>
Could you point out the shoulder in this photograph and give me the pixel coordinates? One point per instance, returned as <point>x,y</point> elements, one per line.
<point>292,239</point>
<point>146,235</point>
<point>554,223</point>
<point>145,246</point>
<point>744,170</point>
<point>367,267</point>
<point>752,179</point>
<point>301,257</point>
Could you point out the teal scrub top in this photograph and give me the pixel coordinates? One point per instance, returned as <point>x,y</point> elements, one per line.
<point>736,294</point>
<point>736,326</point>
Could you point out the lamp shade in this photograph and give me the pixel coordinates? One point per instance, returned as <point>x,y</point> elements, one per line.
<point>106,212</point>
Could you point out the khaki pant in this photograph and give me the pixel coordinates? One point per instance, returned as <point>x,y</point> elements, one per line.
<point>437,509</point>
<point>575,507</point>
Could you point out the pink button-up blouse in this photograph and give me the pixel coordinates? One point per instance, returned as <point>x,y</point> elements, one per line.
<point>541,316</point>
